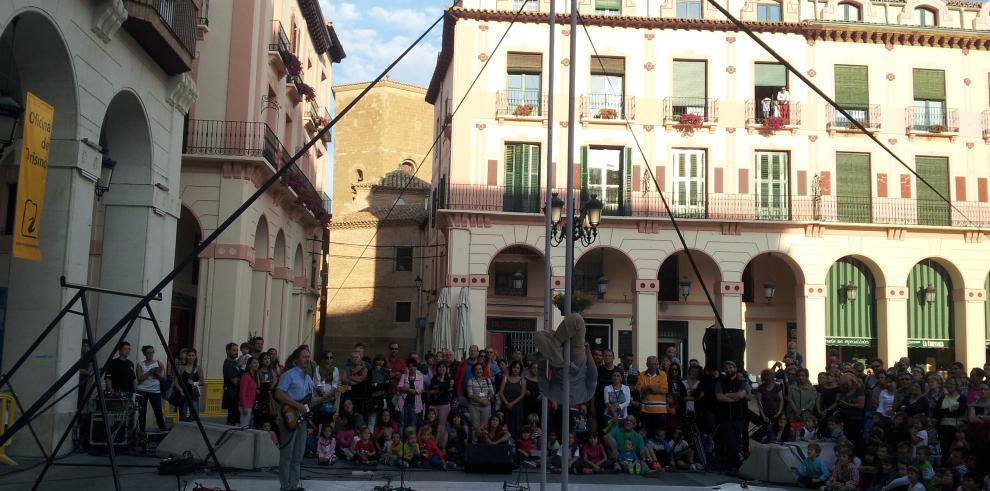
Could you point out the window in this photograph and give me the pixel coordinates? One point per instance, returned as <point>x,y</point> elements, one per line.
<point>929,99</point>
<point>689,183</point>
<point>669,280</point>
<point>403,311</point>
<point>504,276</point>
<point>524,84</point>
<point>852,92</point>
<point>522,178</point>
<point>607,99</point>
<point>769,84</point>
<point>925,17</point>
<point>853,187</point>
<point>689,88</point>
<point>530,6</point>
<point>749,286</point>
<point>404,258</point>
<point>849,12</point>
<point>608,7</point>
<point>771,186</point>
<point>688,9</point>
<point>606,173</point>
<point>768,12</point>
<point>932,209</point>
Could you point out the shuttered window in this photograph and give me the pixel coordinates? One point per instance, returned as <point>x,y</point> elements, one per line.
<point>608,7</point>
<point>932,209</point>
<point>524,63</point>
<point>689,183</point>
<point>771,75</point>
<point>608,65</point>
<point>690,79</point>
<point>522,178</point>
<point>771,186</point>
<point>852,187</point>
<point>929,84</point>
<point>852,85</point>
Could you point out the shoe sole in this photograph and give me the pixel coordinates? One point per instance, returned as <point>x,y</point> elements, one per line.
<point>547,344</point>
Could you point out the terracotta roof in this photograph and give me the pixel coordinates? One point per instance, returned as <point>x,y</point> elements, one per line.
<point>316,24</point>
<point>336,49</point>
<point>400,179</point>
<point>376,216</point>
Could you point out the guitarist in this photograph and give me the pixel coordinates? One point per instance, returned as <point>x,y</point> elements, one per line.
<point>294,387</point>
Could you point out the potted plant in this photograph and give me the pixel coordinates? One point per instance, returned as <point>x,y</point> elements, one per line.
<point>607,113</point>
<point>523,110</point>
<point>690,119</point>
<point>580,301</point>
<point>292,65</point>
<point>936,128</point>
<point>306,91</point>
<point>774,123</point>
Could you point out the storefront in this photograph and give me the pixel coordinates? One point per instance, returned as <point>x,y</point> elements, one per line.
<point>851,306</point>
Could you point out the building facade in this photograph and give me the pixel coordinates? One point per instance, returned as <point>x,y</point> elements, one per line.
<point>116,75</point>
<point>372,293</point>
<point>264,73</point>
<point>802,228</point>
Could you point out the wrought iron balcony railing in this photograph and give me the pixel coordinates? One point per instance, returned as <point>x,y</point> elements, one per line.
<point>521,103</point>
<point>608,107</point>
<point>867,115</point>
<point>731,207</point>
<point>675,107</point>
<point>769,113</point>
<point>986,124</point>
<point>166,29</point>
<point>280,42</point>
<point>933,120</point>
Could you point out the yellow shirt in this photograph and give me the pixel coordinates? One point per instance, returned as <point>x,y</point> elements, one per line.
<point>653,403</point>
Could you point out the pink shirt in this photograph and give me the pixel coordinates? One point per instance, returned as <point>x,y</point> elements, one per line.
<point>248,391</point>
<point>593,453</point>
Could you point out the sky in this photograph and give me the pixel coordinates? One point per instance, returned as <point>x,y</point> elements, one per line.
<point>374,32</point>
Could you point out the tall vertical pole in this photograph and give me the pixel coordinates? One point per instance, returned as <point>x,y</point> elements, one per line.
<point>548,247</point>
<point>569,248</point>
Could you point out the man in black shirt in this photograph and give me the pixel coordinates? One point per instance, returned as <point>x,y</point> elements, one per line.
<point>604,378</point>
<point>731,396</point>
<point>120,370</point>
<point>231,377</point>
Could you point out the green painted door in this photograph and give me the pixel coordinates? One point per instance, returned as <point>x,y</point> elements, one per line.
<point>852,187</point>
<point>930,324</point>
<point>932,209</point>
<point>851,323</point>
<point>522,178</point>
<point>771,186</point>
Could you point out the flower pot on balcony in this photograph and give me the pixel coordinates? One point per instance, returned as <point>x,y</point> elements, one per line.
<point>774,123</point>
<point>937,128</point>
<point>523,110</point>
<point>607,113</point>
<point>690,120</point>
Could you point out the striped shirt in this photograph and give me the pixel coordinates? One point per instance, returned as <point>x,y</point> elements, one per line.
<point>655,403</point>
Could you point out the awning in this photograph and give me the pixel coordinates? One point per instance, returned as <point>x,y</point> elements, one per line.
<point>930,324</point>
<point>850,322</point>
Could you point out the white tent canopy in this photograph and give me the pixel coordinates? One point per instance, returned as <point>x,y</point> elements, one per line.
<point>464,321</point>
<point>441,329</point>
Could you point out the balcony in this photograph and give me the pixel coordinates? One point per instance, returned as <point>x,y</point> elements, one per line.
<point>986,126</point>
<point>932,121</point>
<point>521,104</point>
<point>733,207</point>
<point>867,115</point>
<point>768,116</point>
<point>279,54</point>
<point>166,29</point>
<point>232,139</point>
<point>607,108</point>
<point>675,107</point>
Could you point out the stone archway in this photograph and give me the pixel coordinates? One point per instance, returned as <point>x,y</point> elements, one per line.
<point>277,301</point>
<point>514,309</point>
<point>260,275</point>
<point>186,287</point>
<point>771,313</point>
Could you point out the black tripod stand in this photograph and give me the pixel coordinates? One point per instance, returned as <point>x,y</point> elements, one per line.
<point>90,358</point>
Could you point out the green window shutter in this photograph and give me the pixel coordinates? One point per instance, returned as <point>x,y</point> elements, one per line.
<point>608,4</point>
<point>850,323</point>
<point>524,63</point>
<point>771,75</point>
<point>852,85</point>
<point>533,179</point>
<point>627,172</point>
<point>771,186</point>
<point>510,167</point>
<point>584,173</point>
<point>929,84</point>
<point>932,210</point>
<point>853,187</point>
<point>606,65</point>
<point>930,324</point>
<point>689,79</point>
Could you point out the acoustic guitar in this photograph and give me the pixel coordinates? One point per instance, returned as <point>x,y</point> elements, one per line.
<point>291,417</point>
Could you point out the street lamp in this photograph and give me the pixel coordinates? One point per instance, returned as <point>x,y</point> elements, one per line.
<point>585,224</point>
<point>10,115</point>
<point>685,287</point>
<point>419,282</point>
<point>769,289</point>
<point>851,291</point>
<point>930,293</point>
<point>518,280</point>
<point>107,166</point>
<point>602,286</point>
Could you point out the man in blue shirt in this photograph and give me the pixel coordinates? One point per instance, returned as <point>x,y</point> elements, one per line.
<point>294,388</point>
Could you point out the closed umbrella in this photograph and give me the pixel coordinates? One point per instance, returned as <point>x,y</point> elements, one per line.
<point>464,322</point>
<point>441,330</point>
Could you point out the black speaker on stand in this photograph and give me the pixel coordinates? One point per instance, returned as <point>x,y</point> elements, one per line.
<point>733,347</point>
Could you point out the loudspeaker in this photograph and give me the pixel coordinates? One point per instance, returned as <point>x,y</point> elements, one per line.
<point>733,347</point>
<point>121,428</point>
<point>488,459</point>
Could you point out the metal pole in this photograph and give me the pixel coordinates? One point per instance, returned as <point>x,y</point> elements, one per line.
<point>565,452</point>
<point>548,247</point>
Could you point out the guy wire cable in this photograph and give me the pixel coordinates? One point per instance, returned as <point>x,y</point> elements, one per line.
<point>447,122</point>
<point>85,359</point>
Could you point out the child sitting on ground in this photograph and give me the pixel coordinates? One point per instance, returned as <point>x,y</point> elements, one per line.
<point>345,438</point>
<point>524,448</point>
<point>432,457</point>
<point>593,456</point>
<point>411,453</point>
<point>658,451</point>
<point>364,450</point>
<point>683,453</point>
<point>558,460</point>
<point>457,437</point>
<point>391,450</point>
<point>813,472</point>
<point>326,446</point>
<point>845,477</point>
<point>267,426</point>
<point>629,460</point>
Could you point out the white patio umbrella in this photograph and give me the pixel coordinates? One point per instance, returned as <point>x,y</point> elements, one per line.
<point>441,330</point>
<point>464,321</point>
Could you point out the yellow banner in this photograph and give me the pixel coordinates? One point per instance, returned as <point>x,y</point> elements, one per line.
<point>37,140</point>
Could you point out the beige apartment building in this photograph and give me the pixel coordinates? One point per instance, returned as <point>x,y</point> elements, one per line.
<point>803,228</point>
<point>377,235</point>
<point>264,72</point>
